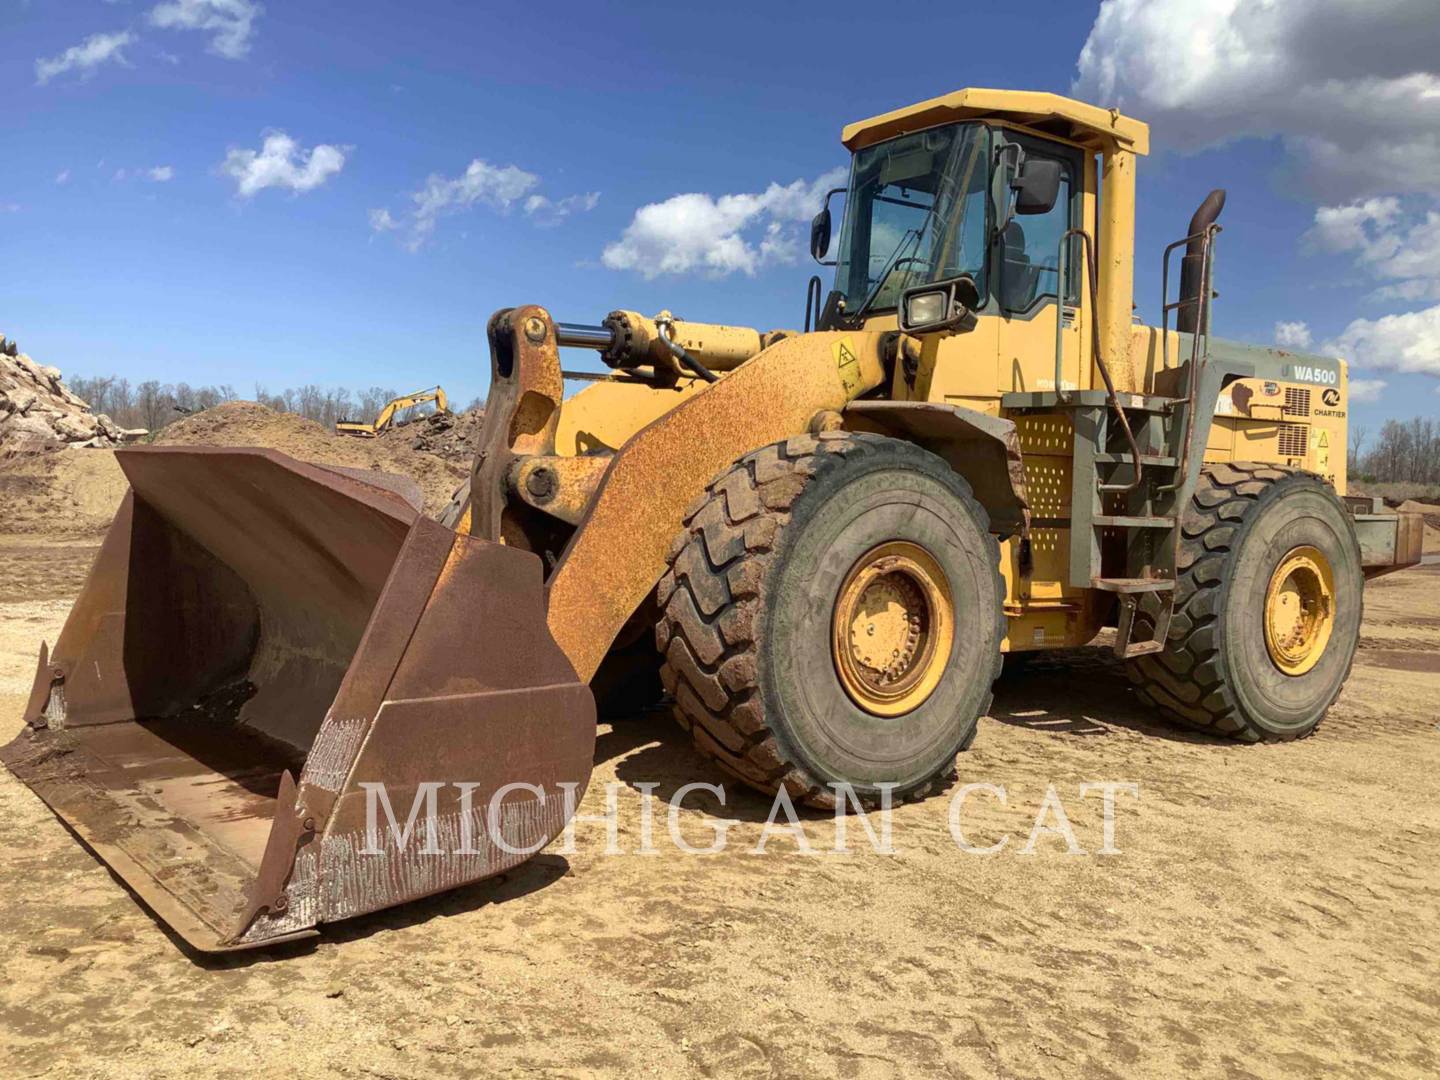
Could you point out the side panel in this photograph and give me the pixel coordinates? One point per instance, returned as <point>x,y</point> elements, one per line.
<point>1299,424</point>
<point>1214,439</point>
<point>605,414</point>
<point>1043,611</point>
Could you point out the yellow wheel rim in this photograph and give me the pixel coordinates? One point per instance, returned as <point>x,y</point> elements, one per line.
<point>892,629</point>
<point>1299,610</point>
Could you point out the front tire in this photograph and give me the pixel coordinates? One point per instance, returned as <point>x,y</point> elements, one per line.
<point>1269,596</point>
<point>833,613</point>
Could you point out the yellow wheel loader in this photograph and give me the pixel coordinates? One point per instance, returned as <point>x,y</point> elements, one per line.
<point>381,424</point>
<point>826,540</point>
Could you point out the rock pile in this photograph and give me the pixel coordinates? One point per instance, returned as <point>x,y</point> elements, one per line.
<point>37,411</point>
<point>448,435</point>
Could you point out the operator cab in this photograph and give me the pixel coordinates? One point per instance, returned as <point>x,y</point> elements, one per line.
<point>973,204</point>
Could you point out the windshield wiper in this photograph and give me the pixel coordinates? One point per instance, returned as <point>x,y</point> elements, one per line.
<point>891,263</point>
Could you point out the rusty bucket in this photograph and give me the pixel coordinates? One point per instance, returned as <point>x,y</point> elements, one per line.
<point>271,665</point>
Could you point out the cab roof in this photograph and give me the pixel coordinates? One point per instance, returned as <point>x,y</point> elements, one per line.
<point>1089,125</point>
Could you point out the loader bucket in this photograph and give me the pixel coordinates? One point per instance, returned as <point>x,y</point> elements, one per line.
<point>271,665</point>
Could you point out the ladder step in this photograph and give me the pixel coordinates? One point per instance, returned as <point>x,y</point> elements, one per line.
<point>1121,521</point>
<point>1140,648</point>
<point>1132,585</point>
<point>1156,460</point>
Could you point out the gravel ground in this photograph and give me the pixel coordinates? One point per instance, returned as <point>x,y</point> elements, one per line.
<point>1270,911</point>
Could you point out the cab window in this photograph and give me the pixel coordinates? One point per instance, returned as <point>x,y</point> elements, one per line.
<point>1030,249</point>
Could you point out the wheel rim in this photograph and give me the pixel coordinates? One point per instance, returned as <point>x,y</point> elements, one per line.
<point>892,628</point>
<point>1299,610</point>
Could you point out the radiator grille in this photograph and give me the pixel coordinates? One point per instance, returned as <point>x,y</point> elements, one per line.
<point>1294,440</point>
<point>1297,401</point>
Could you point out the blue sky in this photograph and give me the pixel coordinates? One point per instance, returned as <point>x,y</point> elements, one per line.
<point>341,193</point>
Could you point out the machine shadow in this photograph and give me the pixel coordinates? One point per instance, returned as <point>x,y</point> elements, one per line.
<point>1081,691</point>
<point>650,748</point>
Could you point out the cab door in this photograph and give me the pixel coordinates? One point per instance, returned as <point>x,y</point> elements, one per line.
<point>1040,315</point>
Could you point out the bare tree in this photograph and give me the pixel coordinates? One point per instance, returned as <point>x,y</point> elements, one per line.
<point>152,404</point>
<point>1357,445</point>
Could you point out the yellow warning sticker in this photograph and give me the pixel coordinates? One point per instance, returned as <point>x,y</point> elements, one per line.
<point>847,363</point>
<point>1324,438</point>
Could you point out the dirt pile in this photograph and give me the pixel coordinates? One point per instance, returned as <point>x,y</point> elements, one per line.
<point>245,423</point>
<point>448,435</point>
<point>38,412</point>
<point>73,493</point>
<point>1431,513</point>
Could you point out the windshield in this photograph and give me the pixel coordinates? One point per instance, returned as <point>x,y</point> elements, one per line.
<point>916,212</point>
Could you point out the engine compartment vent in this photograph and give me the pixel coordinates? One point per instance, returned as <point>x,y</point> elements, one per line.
<point>1297,401</point>
<point>1294,440</point>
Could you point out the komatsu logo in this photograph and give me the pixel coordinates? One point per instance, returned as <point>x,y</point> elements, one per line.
<point>1305,373</point>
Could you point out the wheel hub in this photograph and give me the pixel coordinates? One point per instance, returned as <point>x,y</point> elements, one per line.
<point>1299,610</point>
<point>892,628</point>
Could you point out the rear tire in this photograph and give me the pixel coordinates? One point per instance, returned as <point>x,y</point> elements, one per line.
<point>796,572</point>
<point>1257,541</point>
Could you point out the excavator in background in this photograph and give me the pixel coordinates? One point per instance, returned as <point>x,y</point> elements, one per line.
<point>386,417</point>
<point>826,539</point>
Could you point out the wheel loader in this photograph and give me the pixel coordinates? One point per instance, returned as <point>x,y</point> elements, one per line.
<point>825,540</point>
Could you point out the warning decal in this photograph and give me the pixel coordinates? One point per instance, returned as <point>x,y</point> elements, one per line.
<point>847,364</point>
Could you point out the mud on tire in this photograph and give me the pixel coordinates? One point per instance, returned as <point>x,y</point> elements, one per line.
<point>1216,674</point>
<point>746,608</point>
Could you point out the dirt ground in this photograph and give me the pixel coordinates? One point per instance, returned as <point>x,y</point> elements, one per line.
<point>1272,911</point>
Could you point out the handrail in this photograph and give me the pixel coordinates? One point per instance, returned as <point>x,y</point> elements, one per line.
<point>1062,263</point>
<point>813,302</point>
<point>1202,330</point>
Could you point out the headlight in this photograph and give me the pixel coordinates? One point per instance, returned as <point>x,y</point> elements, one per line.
<point>926,309</point>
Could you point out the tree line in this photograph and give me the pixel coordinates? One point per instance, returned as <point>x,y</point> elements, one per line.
<point>153,404</point>
<point>1404,451</point>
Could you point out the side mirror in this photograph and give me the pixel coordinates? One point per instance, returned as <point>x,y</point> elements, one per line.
<point>939,305</point>
<point>820,234</point>
<point>1037,187</point>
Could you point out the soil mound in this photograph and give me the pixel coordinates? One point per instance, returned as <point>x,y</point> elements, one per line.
<point>246,423</point>
<point>73,493</point>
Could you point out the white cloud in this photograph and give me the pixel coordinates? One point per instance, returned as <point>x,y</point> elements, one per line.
<point>95,50</point>
<point>495,186</point>
<point>500,187</point>
<point>1408,342</point>
<point>548,212</point>
<point>719,235</point>
<point>63,176</point>
<point>381,221</point>
<point>1352,87</point>
<point>1399,249</point>
<point>161,173</point>
<point>229,22</point>
<point>282,163</point>
<point>1367,390</point>
<point>1292,335</point>
<point>10,207</point>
